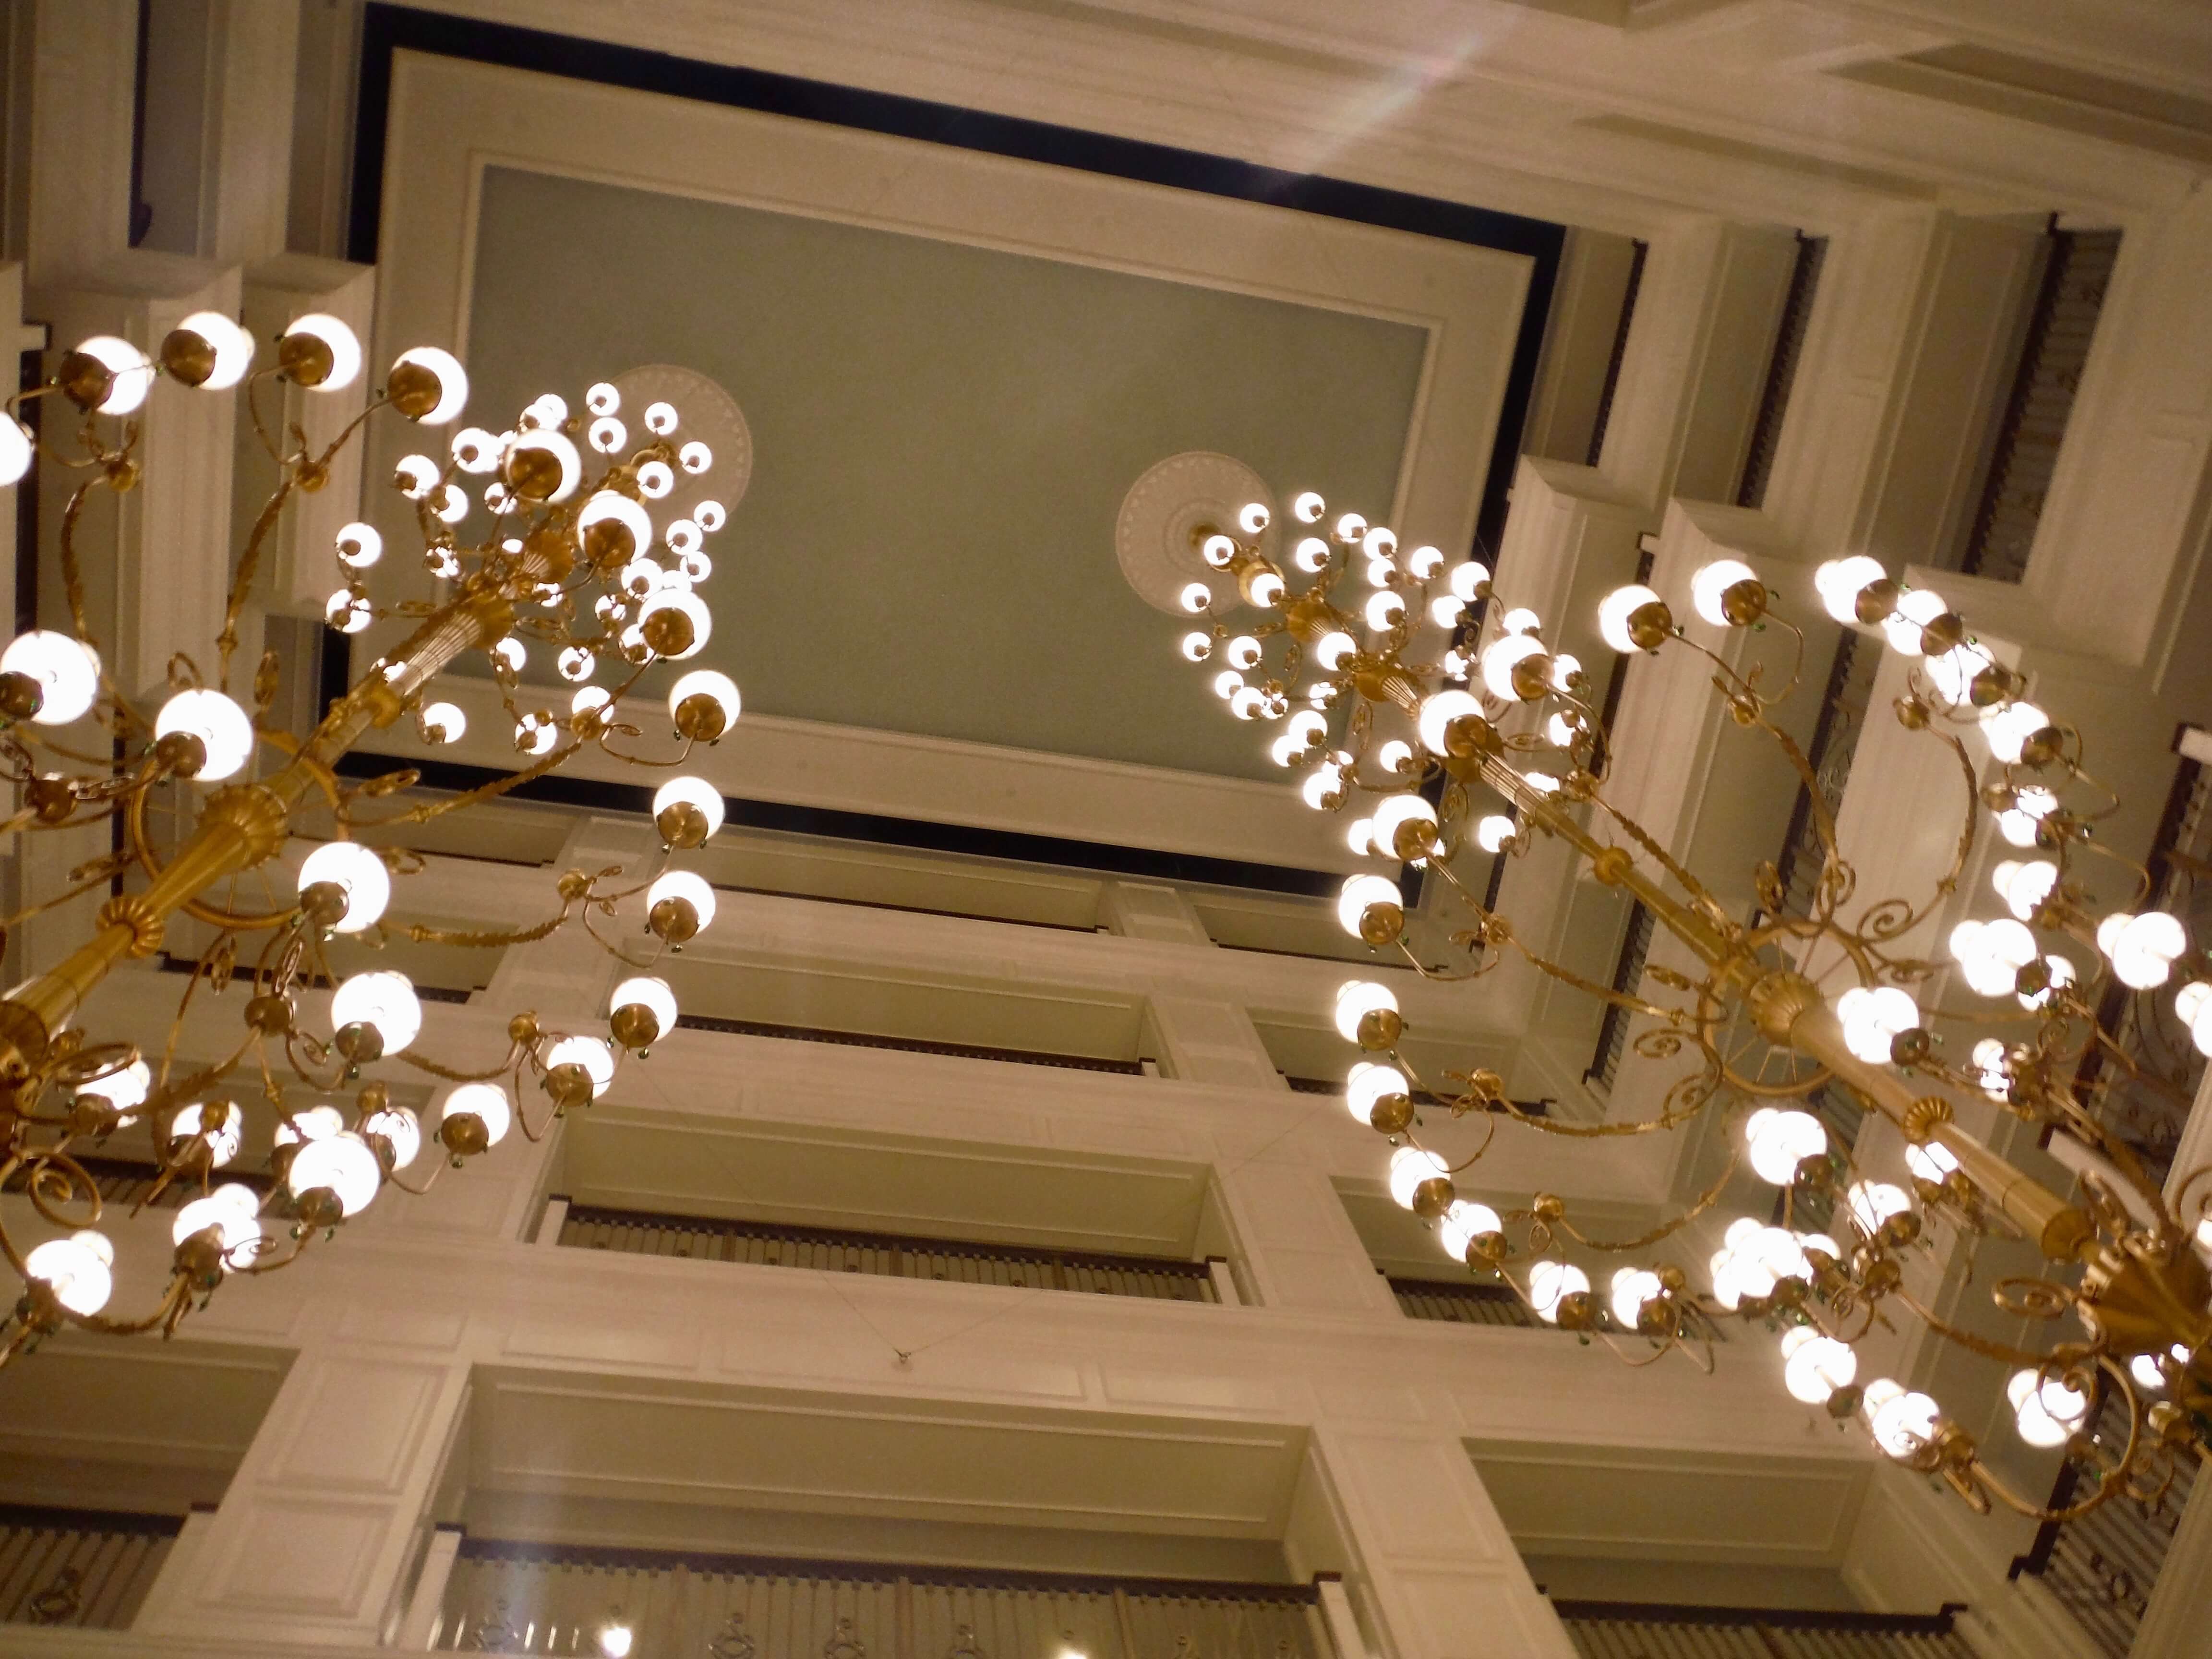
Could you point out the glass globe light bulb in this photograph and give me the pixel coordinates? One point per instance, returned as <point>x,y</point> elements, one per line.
<point>703,704</point>
<point>1368,1082</point>
<point>66,669</point>
<point>650,997</point>
<point>1355,1000</point>
<point>358,873</point>
<point>130,373</point>
<point>341,1164</point>
<point>401,1129</point>
<point>451,382</point>
<point>1410,1168</point>
<point>232,345</point>
<point>384,999</point>
<point>223,728</point>
<point>1550,1283</point>
<point>79,1270</point>
<point>590,1052</point>
<point>695,793</point>
<point>335,339</point>
<point>485,1101</point>
<point>1463,1222</point>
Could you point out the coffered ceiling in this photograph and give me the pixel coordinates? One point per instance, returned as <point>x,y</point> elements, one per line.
<point>954,361</point>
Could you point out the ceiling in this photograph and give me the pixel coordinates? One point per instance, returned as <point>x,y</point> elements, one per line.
<point>954,359</point>
<point>944,435</point>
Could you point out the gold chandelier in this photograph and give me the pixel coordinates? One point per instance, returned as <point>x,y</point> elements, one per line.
<point>1501,747</point>
<point>574,562</point>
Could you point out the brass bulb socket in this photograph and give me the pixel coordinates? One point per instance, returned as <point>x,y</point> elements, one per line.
<point>1471,736</point>
<point>609,545</point>
<point>269,1013</point>
<point>699,717</point>
<point>198,1258</point>
<point>187,356</point>
<point>1381,924</point>
<point>1651,625</point>
<point>1487,1249</point>
<point>1414,839</point>
<point>1657,1317</point>
<point>324,903</point>
<point>1379,1028</point>
<point>84,379</point>
<point>569,1085</point>
<point>1876,602</point>
<point>1433,1197</point>
<point>1844,1402</point>
<point>675,919</point>
<point>634,1025</point>
<point>413,389</point>
<point>552,547</point>
<point>1745,602</point>
<point>318,1206</point>
<point>20,696</point>
<point>682,825</point>
<point>362,1044</point>
<point>464,1135</point>
<point>1911,1048</point>
<point>532,473</point>
<point>305,359</point>
<point>1992,686</point>
<point>181,753</point>
<point>1942,634</point>
<point>52,799</point>
<point>1575,1311</point>
<point>2041,747</point>
<point>1390,1114</point>
<point>669,632</point>
<point>1532,677</point>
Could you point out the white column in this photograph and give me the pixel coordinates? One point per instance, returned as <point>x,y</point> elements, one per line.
<point>420,1623</point>
<point>1433,1557</point>
<point>2173,1625</point>
<point>315,1530</point>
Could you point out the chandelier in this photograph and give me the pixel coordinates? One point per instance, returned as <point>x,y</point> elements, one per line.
<point>1498,743</point>
<point>574,564</point>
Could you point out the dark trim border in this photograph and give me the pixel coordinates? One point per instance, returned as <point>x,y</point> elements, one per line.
<point>1648,1613</point>
<point>388,29</point>
<point>598,795</point>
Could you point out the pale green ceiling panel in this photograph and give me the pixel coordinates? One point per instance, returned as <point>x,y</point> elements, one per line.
<point>943,434</point>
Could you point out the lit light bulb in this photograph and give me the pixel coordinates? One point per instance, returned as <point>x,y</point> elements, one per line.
<point>1356,999</point>
<point>358,873</point>
<point>450,379</point>
<point>486,1103</point>
<point>1710,585</point>
<point>1412,1168</point>
<point>341,1164</point>
<point>1780,1140</point>
<point>233,346</point>
<point>382,999</point>
<point>1550,1283</point>
<point>1839,582</point>
<point>597,1060</point>
<point>66,669</point>
<point>130,373</point>
<point>339,348</point>
<point>79,1270</point>
<point>1464,1223</point>
<point>1368,1083</point>
<point>225,731</point>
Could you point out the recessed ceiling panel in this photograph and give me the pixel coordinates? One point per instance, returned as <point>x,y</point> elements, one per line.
<point>945,433</point>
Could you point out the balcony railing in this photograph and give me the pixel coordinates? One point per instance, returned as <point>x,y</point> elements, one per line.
<point>1627,975</point>
<point>1835,740</point>
<point>509,1598</point>
<point>2103,1566</point>
<point>888,1255</point>
<point>1782,370</point>
<point>1463,1303</point>
<point>1615,1630</point>
<point>125,1183</point>
<point>2061,329</point>
<point>910,1045</point>
<point>86,1568</point>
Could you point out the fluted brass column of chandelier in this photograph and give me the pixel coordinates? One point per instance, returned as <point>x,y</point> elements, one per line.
<point>1501,746</point>
<point>572,558</point>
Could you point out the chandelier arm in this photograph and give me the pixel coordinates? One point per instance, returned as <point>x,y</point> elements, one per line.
<point>451,1074</point>
<point>1882,921</point>
<point>249,561</point>
<point>1705,1201</point>
<point>419,933</point>
<point>484,792</point>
